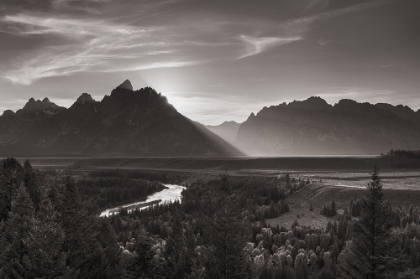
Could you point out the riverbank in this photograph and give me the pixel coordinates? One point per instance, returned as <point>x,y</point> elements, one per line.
<point>170,194</point>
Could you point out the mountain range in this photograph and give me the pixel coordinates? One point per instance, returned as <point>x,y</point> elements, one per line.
<point>314,127</point>
<point>141,123</point>
<point>125,123</point>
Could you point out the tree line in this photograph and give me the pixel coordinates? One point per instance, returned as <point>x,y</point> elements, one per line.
<point>50,230</point>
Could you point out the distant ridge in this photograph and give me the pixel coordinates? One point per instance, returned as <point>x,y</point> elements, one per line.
<point>38,106</point>
<point>126,123</point>
<point>227,130</point>
<point>313,127</point>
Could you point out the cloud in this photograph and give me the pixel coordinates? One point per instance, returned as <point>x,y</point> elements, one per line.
<point>301,25</point>
<point>109,43</point>
<point>91,46</point>
<point>315,4</point>
<point>334,13</point>
<point>147,8</point>
<point>324,42</point>
<point>78,5</point>
<point>24,24</point>
<point>257,45</point>
<point>167,64</point>
<point>295,29</point>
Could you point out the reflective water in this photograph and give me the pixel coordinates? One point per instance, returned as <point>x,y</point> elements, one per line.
<point>170,194</point>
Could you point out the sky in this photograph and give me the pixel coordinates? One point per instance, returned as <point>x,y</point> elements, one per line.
<point>215,60</point>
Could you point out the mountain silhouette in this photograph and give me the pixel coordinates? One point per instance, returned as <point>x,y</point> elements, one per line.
<point>313,127</point>
<point>125,123</point>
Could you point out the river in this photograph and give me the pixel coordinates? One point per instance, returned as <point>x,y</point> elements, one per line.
<point>169,194</point>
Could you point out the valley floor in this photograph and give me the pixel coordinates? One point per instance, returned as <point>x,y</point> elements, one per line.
<point>338,179</point>
<point>319,194</point>
<point>236,165</point>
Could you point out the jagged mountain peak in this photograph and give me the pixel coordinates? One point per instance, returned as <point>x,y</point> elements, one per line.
<point>143,97</point>
<point>126,85</point>
<point>30,104</point>
<point>84,98</point>
<point>314,102</point>
<point>8,112</point>
<point>34,105</point>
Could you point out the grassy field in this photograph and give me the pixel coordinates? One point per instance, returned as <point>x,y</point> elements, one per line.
<point>407,180</point>
<point>320,194</point>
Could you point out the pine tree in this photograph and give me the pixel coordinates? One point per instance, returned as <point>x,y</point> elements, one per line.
<point>333,209</point>
<point>141,265</point>
<point>17,231</point>
<point>46,258</point>
<point>85,254</point>
<point>31,184</point>
<point>326,272</point>
<point>176,251</point>
<point>77,232</point>
<point>227,237</point>
<point>109,248</point>
<point>10,179</point>
<point>370,253</point>
<point>301,266</point>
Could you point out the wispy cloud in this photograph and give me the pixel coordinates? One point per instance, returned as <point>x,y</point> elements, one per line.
<point>157,65</point>
<point>329,14</point>
<point>75,44</point>
<point>257,45</point>
<point>295,29</point>
<point>26,24</point>
<point>78,5</point>
<point>324,42</point>
<point>95,45</point>
<point>315,4</point>
<point>144,8</point>
<point>301,26</point>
